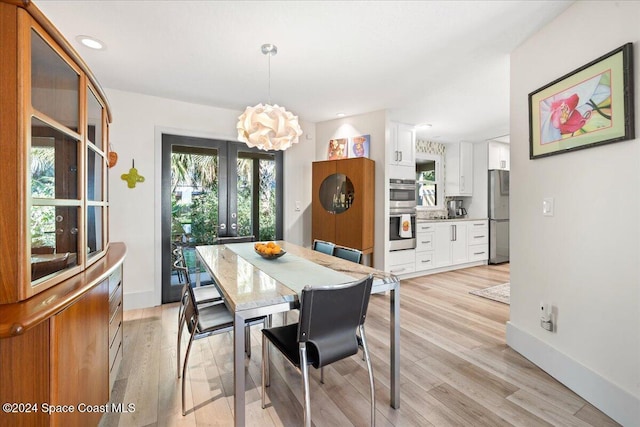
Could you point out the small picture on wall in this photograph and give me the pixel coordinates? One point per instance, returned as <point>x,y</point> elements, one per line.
<point>338,149</point>
<point>359,146</point>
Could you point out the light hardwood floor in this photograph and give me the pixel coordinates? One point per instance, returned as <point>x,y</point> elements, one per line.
<point>456,370</point>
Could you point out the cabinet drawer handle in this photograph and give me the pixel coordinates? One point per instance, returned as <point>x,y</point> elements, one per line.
<point>478,237</point>
<point>397,270</point>
<point>478,253</point>
<point>478,224</point>
<point>424,243</point>
<point>425,260</point>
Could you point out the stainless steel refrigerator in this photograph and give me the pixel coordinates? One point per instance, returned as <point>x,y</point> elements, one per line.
<point>498,216</point>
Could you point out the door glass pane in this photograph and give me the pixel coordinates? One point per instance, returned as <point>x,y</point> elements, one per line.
<point>95,164</point>
<point>267,191</point>
<point>53,163</point>
<point>94,120</point>
<point>194,189</point>
<point>54,239</point>
<point>245,195</point>
<point>95,243</point>
<point>54,84</point>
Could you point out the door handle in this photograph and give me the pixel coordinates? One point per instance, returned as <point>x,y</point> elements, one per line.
<point>234,226</point>
<point>223,226</point>
<point>400,155</point>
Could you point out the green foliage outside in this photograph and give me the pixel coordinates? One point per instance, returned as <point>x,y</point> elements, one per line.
<point>42,220</point>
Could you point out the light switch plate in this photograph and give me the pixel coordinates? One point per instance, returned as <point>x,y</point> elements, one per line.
<point>547,206</point>
<point>297,206</point>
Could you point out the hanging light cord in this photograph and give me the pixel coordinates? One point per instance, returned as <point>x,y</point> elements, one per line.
<point>269,55</point>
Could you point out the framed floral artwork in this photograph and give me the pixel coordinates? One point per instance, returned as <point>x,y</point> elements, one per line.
<point>590,106</point>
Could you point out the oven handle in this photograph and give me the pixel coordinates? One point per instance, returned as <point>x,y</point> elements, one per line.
<point>402,187</point>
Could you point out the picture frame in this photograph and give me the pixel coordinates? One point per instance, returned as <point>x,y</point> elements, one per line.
<point>590,106</point>
<point>338,149</point>
<point>359,146</point>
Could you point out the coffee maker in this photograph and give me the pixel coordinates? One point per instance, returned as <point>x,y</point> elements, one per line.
<point>455,209</point>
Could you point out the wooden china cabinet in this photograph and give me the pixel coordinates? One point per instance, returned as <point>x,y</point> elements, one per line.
<point>342,207</point>
<point>60,278</point>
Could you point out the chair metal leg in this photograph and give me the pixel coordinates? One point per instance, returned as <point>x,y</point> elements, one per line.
<point>184,373</point>
<point>367,356</point>
<point>284,318</point>
<point>180,327</point>
<point>265,355</point>
<point>322,375</point>
<point>304,368</point>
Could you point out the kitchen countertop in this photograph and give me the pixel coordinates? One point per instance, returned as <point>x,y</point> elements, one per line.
<point>449,219</point>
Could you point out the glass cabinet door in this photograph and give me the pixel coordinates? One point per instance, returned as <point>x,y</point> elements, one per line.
<point>54,84</point>
<point>95,177</point>
<point>55,202</point>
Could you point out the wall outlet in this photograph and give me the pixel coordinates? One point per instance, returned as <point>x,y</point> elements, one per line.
<point>546,322</point>
<point>545,312</point>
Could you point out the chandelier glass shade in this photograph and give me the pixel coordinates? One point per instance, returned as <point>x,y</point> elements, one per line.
<point>268,127</point>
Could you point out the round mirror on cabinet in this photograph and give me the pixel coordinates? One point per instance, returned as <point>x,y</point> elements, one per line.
<point>336,193</point>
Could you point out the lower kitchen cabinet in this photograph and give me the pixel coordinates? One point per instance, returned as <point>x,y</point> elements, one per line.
<point>478,235</point>
<point>451,243</point>
<point>425,243</point>
<point>402,262</point>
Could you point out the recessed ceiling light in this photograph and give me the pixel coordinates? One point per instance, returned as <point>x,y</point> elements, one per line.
<point>91,42</point>
<point>340,114</point>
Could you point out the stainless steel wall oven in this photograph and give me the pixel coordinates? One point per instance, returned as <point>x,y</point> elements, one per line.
<point>396,242</point>
<point>402,196</point>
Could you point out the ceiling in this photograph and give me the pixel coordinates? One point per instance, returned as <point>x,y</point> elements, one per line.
<point>440,62</point>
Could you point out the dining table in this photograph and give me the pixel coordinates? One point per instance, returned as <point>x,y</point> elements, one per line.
<point>254,286</point>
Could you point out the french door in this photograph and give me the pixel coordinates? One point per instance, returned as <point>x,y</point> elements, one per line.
<point>211,189</point>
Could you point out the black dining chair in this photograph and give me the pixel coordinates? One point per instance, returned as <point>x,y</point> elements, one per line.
<point>324,247</point>
<point>205,296</point>
<point>353,255</point>
<point>202,322</point>
<point>325,333</point>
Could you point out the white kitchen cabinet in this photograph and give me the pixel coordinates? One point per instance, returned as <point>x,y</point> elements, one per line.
<point>401,262</point>
<point>499,156</point>
<point>478,241</point>
<point>450,244</point>
<point>401,151</point>
<point>459,169</point>
<point>425,242</point>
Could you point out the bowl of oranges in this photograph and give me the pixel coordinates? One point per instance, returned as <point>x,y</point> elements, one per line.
<point>269,250</point>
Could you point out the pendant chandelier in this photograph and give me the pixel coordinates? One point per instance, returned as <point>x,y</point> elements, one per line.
<point>268,127</point>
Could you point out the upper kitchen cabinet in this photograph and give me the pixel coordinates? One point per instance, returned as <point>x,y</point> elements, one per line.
<point>459,169</point>
<point>498,155</point>
<point>401,151</point>
<point>53,139</point>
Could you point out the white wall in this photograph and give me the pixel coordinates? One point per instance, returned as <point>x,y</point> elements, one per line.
<point>585,260</point>
<point>373,124</point>
<point>136,131</point>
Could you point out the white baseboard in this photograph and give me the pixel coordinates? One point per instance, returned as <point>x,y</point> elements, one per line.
<point>617,403</point>
<point>135,300</point>
<point>440,269</point>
